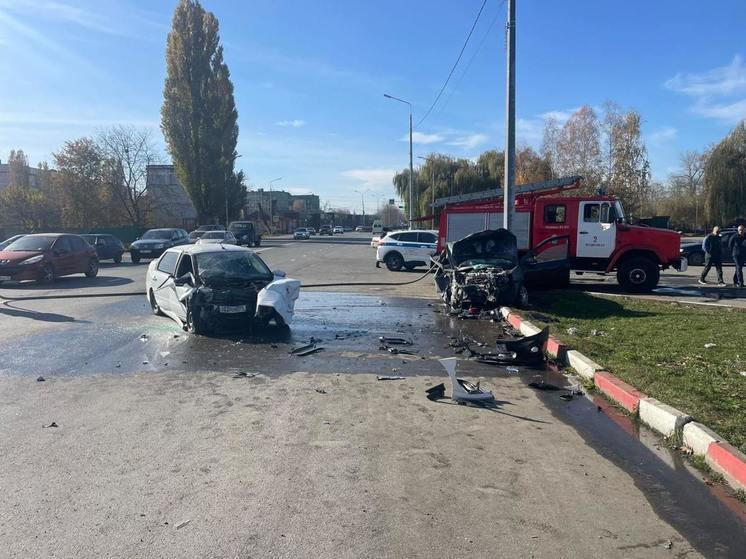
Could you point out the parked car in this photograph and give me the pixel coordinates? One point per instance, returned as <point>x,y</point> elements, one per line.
<point>301,233</point>
<point>195,235</point>
<point>347,229</point>
<point>246,233</point>
<point>695,254</point>
<point>46,256</point>
<point>6,242</point>
<point>311,231</point>
<point>406,249</point>
<point>155,241</point>
<point>359,229</point>
<point>217,237</point>
<point>326,230</point>
<point>205,286</point>
<point>108,247</point>
<point>338,230</point>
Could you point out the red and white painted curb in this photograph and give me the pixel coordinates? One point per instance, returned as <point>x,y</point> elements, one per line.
<point>666,420</point>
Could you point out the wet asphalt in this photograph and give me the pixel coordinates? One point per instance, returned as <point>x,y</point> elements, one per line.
<point>120,336</point>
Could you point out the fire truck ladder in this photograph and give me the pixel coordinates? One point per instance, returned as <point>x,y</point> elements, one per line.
<point>554,185</point>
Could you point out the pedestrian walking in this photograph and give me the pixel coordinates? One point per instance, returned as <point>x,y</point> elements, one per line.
<point>737,246</point>
<point>713,256</point>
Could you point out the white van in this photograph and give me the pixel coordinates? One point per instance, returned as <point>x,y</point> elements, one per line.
<point>377,227</point>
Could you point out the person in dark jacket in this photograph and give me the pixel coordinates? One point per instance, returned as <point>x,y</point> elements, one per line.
<point>737,246</point>
<point>713,256</point>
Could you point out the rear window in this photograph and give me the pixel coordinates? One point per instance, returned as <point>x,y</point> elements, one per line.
<point>408,237</point>
<point>161,234</point>
<point>213,235</point>
<point>167,263</point>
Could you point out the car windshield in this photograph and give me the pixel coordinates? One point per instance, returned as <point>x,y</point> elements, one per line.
<point>213,235</point>
<point>230,267</point>
<point>240,225</point>
<point>32,243</point>
<point>161,234</point>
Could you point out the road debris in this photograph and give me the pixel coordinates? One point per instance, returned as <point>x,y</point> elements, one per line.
<point>387,340</point>
<point>182,524</point>
<point>389,377</point>
<point>668,544</point>
<point>40,379</point>
<point>595,332</point>
<point>436,392</point>
<point>742,373</point>
<point>53,424</point>
<point>708,346</point>
<point>566,397</point>
<point>303,348</point>
<point>512,370</point>
<point>320,390</point>
<point>397,351</point>
<point>244,374</point>
<point>462,390</point>
<point>309,351</point>
<point>541,385</point>
<point>144,337</point>
<point>572,331</point>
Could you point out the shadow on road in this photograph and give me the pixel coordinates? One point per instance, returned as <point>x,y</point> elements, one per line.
<point>7,309</point>
<point>71,283</point>
<point>583,305</point>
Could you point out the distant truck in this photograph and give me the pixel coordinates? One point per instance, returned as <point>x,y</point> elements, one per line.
<point>245,233</point>
<point>599,239</point>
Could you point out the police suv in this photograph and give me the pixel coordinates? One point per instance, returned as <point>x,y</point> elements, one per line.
<point>406,249</point>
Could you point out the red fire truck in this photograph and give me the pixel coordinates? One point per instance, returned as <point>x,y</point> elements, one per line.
<point>599,238</point>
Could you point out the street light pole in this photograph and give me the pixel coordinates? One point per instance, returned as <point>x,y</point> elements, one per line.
<point>509,186</point>
<point>432,192</point>
<point>225,193</point>
<point>271,209</point>
<point>362,197</point>
<point>411,166</point>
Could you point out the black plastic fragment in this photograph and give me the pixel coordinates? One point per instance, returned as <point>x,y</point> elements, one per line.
<point>436,392</point>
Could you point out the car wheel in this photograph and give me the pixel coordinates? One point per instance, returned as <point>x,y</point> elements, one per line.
<point>394,261</point>
<point>46,275</point>
<point>135,257</point>
<point>92,270</point>
<point>118,259</point>
<point>258,242</point>
<point>696,259</point>
<point>638,275</point>
<point>194,324</point>
<point>153,305</point>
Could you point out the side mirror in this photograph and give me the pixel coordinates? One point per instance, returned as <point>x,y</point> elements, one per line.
<point>186,279</point>
<point>279,274</point>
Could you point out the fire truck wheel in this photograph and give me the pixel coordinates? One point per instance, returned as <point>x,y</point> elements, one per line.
<point>638,275</point>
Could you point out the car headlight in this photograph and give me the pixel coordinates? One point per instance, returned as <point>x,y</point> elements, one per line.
<point>32,260</point>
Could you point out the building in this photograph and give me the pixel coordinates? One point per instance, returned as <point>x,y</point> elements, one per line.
<point>289,211</point>
<point>169,201</point>
<point>33,173</point>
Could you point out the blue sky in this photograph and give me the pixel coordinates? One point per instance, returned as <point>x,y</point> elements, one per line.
<point>309,77</point>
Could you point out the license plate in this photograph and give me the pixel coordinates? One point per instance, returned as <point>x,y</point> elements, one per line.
<point>4,278</point>
<point>229,309</point>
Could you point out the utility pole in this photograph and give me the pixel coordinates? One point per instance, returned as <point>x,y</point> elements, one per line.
<point>411,168</point>
<point>509,175</point>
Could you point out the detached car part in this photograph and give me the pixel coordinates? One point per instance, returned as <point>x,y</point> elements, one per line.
<point>461,389</point>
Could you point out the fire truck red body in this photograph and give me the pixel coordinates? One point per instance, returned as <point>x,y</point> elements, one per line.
<point>599,239</point>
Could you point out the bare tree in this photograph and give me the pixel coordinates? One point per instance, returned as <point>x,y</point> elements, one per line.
<point>128,152</point>
<point>688,180</point>
<point>629,168</point>
<point>550,142</point>
<point>579,148</point>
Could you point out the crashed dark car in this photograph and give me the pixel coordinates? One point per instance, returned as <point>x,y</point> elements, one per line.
<point>484,270</point>
<point>210,287</point>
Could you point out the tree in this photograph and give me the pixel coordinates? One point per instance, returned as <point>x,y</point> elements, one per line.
<point>82,180</point>
<point>549,144</point>
<point>25,206</point>
<point>725,179</point>
<point>531,167</point>
<point>628,166</point>
<point>18,167</point>
<point>578,148</point>
<point>127,152</point>
<point>198,116</point>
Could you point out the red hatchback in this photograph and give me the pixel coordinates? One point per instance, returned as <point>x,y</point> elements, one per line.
<point>45,256</point>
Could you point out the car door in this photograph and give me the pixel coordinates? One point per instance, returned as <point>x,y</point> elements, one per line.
<point>550,254</point>
<point>162,282</point>
<point>408,246</point>
<point>81,252</point>
<point>596,230</point>
<point>428,245</point>
<point>63,258</point>
<point>181,292</point>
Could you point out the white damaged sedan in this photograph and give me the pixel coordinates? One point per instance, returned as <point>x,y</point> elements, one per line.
<point>207,286</point>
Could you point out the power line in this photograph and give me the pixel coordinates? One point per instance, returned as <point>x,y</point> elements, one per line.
<point>453,68</point>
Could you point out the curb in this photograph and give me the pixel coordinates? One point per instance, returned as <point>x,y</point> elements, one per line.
<point>619,391</point>
<point>721,456</point>
<point>728,461</point>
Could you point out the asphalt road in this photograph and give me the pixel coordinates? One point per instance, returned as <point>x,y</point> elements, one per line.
<point>160,452</point>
